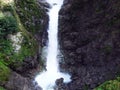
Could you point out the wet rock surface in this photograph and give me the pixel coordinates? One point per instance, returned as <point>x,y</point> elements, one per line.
<point>89,41</point>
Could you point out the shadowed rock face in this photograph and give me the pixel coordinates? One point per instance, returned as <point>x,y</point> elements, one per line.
<point>17,82</point>
<point>89,34</point>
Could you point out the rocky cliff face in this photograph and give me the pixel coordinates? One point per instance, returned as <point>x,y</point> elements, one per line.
<point>33,16</point>
<point>18,68</point>
<point>89,34</point>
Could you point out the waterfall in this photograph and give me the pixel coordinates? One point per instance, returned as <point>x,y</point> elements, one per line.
<point>47,78</point>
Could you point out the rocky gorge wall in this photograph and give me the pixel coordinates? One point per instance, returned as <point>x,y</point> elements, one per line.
<point>18,68</point>
<point>89,33</point>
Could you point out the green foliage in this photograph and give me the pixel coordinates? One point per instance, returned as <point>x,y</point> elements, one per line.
<point>6,50</point>
<point>9,57</point>
<point>7,8</point>
<point>1,88</point>
<point>24,52</point>
<point>7,53</point>
<point>11,24</point>
<point>30,14</point>
<point>7,26</point>
<point>110,85</point>
<point>4,72</point>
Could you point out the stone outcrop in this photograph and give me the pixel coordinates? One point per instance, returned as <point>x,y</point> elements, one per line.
<point>89,33</point>
<point>32,22</point>
<point>17,82</point>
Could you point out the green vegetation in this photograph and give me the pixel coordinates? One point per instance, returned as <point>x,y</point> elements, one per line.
<point>4,72</point>
<point>1,88</point>
<point>30,14</point>
<point>8,25</point>
<point>110,85</point>
<point>18,16</point>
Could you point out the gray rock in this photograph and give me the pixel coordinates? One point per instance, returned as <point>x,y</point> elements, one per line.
<point>89,41</point>
<point>17,82</point>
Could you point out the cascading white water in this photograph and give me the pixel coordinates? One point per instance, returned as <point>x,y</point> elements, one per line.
<point>47,78</point>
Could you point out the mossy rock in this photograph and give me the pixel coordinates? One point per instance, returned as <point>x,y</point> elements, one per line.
<point>30,14</point>
<point>110,85</point>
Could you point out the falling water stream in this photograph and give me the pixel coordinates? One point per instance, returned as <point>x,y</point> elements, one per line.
<point>46,79</point>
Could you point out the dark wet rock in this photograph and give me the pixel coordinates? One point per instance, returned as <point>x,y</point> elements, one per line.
<point>17,82</point>
<point>59,81</point>
<point>89,41</point>
<point>28,67</point>
<point>60,85</point>
<point>43,4</point>
<point>68,45</point>
<point>43,36</point>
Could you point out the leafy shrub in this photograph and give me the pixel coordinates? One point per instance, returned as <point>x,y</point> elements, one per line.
<point>6,52</point>
<point>8,25</point>
<point>4,72</point>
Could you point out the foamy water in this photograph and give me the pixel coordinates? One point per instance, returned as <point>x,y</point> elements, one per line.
<point>47,78</point>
